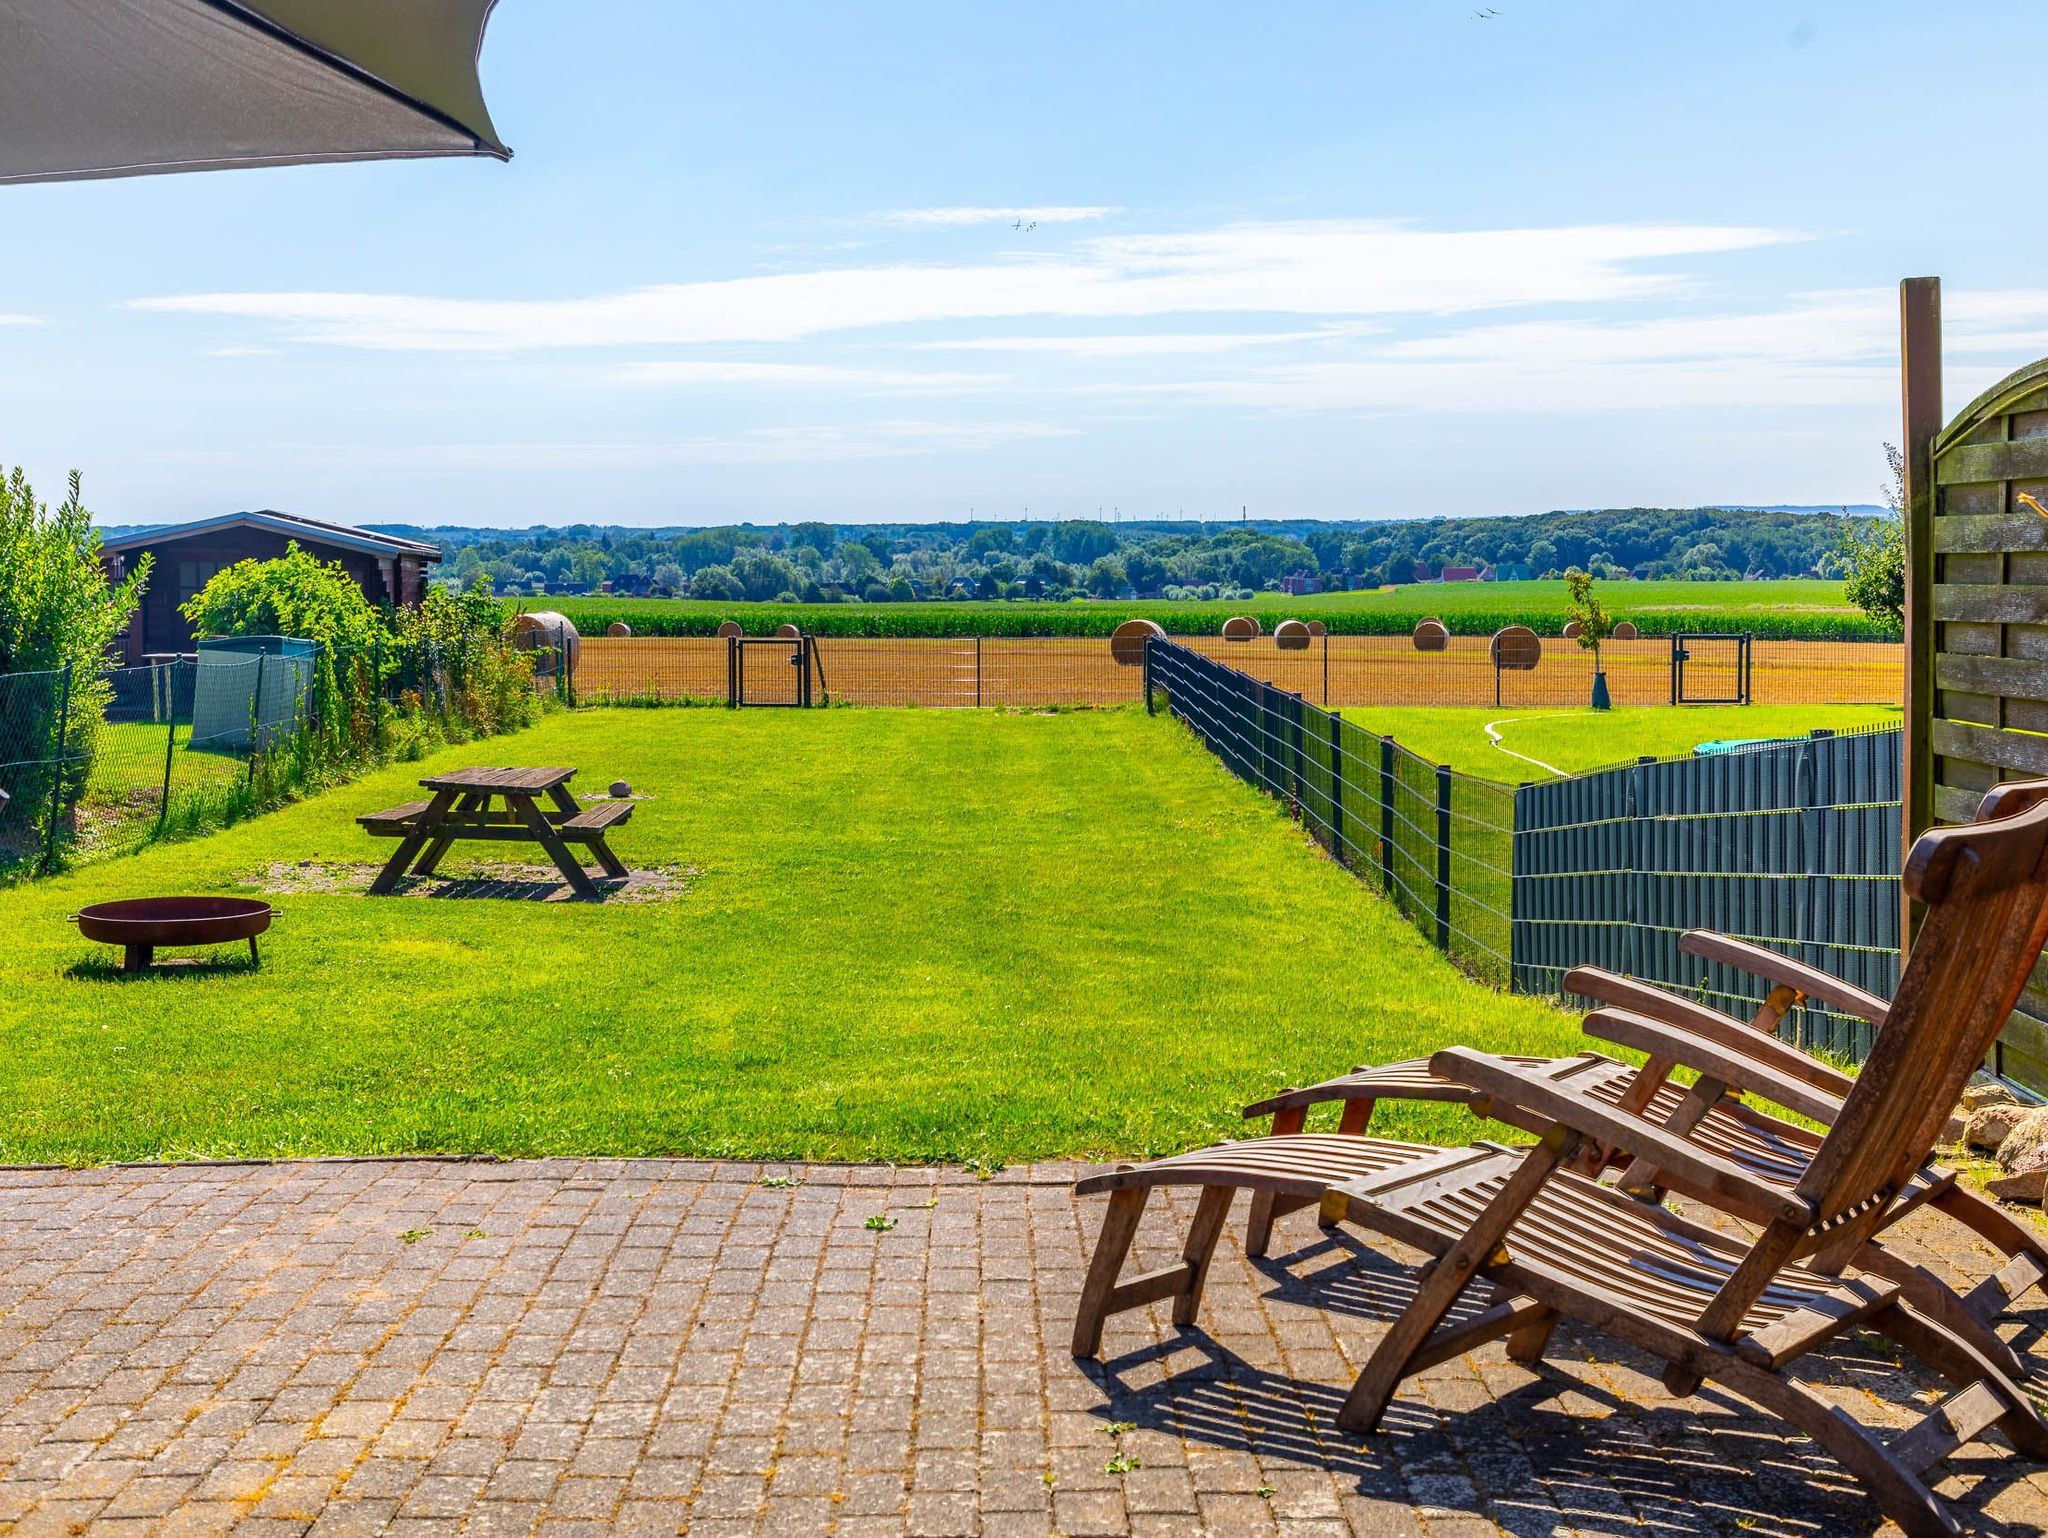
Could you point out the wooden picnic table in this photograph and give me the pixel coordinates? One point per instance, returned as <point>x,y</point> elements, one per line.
<point>498,806</point>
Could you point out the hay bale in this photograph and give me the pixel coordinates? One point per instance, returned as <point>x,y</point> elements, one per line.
<point>729,628</point>
<point>1241,627</point>
<point>1625,631</point>
<point>619,630</point>
<point>1430,636</point>
<point>1291,635</point>
<point>1516,649</point>
<point>1573,630</point>
<point>544,631</point>
<point>1317,627</point>
<point>788,632</point>
<point>1127,641</point>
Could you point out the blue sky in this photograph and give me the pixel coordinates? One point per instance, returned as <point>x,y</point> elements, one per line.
<point>915,260</point>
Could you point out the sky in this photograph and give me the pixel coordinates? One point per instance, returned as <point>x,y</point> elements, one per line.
<point>931,261</point>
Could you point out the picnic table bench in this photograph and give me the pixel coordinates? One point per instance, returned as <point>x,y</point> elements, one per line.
<point>498,806</point>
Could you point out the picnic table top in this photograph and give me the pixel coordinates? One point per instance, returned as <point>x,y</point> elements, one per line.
<point>500,779</point>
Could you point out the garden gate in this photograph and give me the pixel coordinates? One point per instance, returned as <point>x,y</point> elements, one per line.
<point>1976,604</point>
<point>1709,669</point>
<point>769,670</point>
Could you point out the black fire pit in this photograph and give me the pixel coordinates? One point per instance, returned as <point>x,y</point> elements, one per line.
<point>140,924</point>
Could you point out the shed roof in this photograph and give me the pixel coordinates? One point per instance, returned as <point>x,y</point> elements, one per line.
<point>307,531</point>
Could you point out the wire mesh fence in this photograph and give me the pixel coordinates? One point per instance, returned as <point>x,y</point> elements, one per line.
<point>1795,847</point>
<point>1332,671</point>
<point>101,762</point>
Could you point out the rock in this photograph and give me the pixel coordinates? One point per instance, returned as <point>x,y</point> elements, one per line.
<point>1980,1092</point>
<point>1957,1124</point>
<point>2023,1159</point>
<point>1989,1127</point>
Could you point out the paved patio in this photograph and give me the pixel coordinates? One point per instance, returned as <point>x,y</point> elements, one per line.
<point>437,1347</point>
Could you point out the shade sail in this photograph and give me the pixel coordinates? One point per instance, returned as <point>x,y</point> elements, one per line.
<point>93,88</point>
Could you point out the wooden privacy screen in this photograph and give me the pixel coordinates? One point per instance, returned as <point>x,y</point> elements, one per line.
<point>1977,607</point>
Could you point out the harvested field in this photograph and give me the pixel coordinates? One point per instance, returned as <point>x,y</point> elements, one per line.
<point>1340,670</point>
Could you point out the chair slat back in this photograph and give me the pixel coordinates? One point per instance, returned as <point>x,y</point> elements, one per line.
<point>1985,888</point>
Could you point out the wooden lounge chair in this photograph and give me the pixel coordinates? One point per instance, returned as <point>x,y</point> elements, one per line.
<point>1740,1311</point>
<point>1731,1059</point>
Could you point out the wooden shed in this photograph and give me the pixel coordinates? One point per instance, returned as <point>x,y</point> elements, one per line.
<point>391,570</point>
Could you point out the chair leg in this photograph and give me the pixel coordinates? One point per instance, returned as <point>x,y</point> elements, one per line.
<point>1201,1248</point>
<point>2012,1237</point>
<point>1258,1228</point>
<point>1119,1227</point>
<point>1932,1298</point>
<point>1528,1343</point>
<point>1899,1492</point>
<point>1956,1359</point>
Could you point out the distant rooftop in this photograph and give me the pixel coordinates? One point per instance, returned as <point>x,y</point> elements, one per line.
<point>290,525</point>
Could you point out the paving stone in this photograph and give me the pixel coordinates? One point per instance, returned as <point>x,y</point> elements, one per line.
<point>649,1347</point>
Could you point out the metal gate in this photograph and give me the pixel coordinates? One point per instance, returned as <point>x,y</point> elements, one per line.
<point>1709,669</point>
<point>769,670</point>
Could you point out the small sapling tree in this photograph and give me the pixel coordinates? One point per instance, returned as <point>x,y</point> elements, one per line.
<point>1595,624</point>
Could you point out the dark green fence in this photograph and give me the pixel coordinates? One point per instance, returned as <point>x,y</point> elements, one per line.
<point>1792,846</point>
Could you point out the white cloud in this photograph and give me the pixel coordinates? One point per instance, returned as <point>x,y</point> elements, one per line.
<point>1144,344</point>
<point>1333,268</point>
<point>22,320</point>
<point>955,218</point>
<point>242,352</point>
<point>714,372</point>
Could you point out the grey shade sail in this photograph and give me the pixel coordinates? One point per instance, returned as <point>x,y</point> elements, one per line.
<point>92,88</point>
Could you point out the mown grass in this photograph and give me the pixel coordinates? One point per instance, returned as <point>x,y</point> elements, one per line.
<point>1786,609</point>
<point>1581,740</point>
<point>910,935</point>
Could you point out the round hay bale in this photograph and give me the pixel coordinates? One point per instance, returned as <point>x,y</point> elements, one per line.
<point>1241,627</point>
<point>1626,631</point>
<point>1291,635</point>
<point>546,632</point>
<point>1429,619</point>
<point>1430,636</point>
<point>1517,649</point>
<point>730,627</point>
<point>788,632</point>
<point>1317,627</point>
<point>1127,641</point>
<point>619,630</point>
<point>1573,630</point>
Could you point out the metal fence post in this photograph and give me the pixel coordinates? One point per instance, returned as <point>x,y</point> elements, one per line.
<point>1443,858</point>
<point>732,672</point>
<point>256,720</point>
<point>1518,873</point>
<point>1387,814</point>
<point>58,757</point>
<point>1150,708</point>
<point>163,806</point>
<point>1336,809</point>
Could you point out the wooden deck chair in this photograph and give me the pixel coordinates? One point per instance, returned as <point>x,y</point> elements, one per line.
<point>1740,1311</point>
<point>1732,1059</point>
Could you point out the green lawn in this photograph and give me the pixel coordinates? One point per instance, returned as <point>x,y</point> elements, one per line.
<point>909,935</point>
<point>1786,608</point>
<point>1575,741</point>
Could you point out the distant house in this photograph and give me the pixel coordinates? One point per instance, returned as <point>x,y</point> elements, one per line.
<point>187,555</point>
<point>1296,583</point>
<point>1508,571</point>
<point>1460,574</point>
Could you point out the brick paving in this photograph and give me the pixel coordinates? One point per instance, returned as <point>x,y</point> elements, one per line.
<point>422,1347</point>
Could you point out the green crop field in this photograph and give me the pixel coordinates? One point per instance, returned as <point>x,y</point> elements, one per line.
<point>1787,609</point>
<point>1577,741</point>
<point>900,934</point>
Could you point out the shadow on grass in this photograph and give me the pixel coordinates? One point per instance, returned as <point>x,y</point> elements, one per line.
<point>105,969</point>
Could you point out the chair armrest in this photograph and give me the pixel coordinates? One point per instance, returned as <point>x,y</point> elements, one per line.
<point>1776,968</point>
<point>1702,1169</point>
<point>1735,1068</point>
<point>1642,998</point>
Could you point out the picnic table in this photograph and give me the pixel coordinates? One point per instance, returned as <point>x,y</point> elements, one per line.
<point>498,806</point>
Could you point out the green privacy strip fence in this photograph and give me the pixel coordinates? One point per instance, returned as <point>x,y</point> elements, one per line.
<point>1793,846</point>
